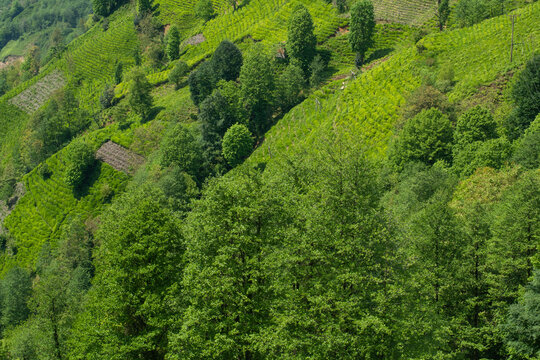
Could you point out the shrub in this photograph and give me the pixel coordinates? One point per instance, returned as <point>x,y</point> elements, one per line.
<point>237,144</point>
<point>139,97</point>
<point>491,153</point>
<point>202,82</point>
<point>204,10</point>
<point>106,98</point>
<point>80,159</point>
<point>426,97</point>
<point>426,138</point>
<point>470,12</point>
<point>301,40</point>
<point>182,149</point>
<point>318,67</point>
<point>341,6</point>
<point>118,72</point>
<point>177,73</point>
<point>44,171</point>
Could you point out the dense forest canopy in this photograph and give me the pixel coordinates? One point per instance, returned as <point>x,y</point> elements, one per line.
<point>270,179</point>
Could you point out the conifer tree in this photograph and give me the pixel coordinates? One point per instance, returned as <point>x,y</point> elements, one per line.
<point>139,96</point>
<point>173,43</point>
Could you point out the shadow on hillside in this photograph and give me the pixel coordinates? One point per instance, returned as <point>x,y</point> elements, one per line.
<point>83,190</point>
<point>377,54</point>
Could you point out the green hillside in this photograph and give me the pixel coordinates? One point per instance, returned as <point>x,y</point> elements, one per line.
<point>273,179</point>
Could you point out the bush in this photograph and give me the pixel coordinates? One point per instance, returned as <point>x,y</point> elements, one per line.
<point>426,138</point>
<point>470,12</point>
<point>202,82</point>
<point>237,144</point>
<point>491,153</point>
<point>118,72</point>
<point>178,72</point>
<point>204,10</point>
<point>106,98</point>
<point>426,97</point>
<point>182,149</point>
<point>44,171</point>
<point>527,152</point>
<point>139,97</point>
<point>289,87</point>
<point>80,159</point>
<point>318,67</point>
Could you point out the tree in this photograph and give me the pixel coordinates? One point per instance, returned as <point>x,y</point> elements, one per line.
<point>80,161</point>
<point>521,327</point>
<point>341,6</point>
<point>182,149</point>
<point>202,82</point>
<point>443,13</point>
<point>237,144</point>
<point>118,72</point>
<point>139,97</point>
<point>106,98</point>
<point>527,150</point>
<point>204,10</point>
<point>133,300</point>
<point>257,88</point>
<point>477,124</point>
<point>470,12</point>
<point>178,72</point>
<point>173,43</point>
<point>301,40</point>
<point>143,6</point>
<point>227,61</point>
<point>318,67</point>
<point>525,93</point>
<point>426,138</point>
<point>492,153</point>
<point>15,291</point>
<point>362,26</point>
<point>289,87</point>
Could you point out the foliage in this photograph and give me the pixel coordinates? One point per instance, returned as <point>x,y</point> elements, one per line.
<point>105,7</point>
<point>361,26</point>
<point>237,144</point>
<point>523,322</point>
<point>204,9</point>
<point>318,67</point>
<point>182,149</point>
<point>477,124</point>
<point>173,43</point>
<point>202,82</point>
<point>301,40</point>
<point>118,72</point>
<point>527,150</point>
<point>80,161</point>
<point>426,138</point>
<point>526,96</point>
<point>443,13</point>
<point>493,153</point>
<point>139,96</point>
<point>227,61</point>
<point>15,291</point>
<point>289,86</point>
<point>178,72</point>
<point>257,88</point>
<point>106,98</point>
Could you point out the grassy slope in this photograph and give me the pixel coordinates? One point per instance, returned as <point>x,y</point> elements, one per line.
<point>367,108</point>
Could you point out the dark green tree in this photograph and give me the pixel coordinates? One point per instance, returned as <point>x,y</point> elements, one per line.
<point>227,61</point>
<point>526,96</point>
<point>173,43</point>
<point>143,6</point>
<point>493,153</point>
<point>178,72</point>
<point>301,40</point>
<point>202,82</point>
<point>118,72</point>
<point>139,97</point>
<point>204,9</point>
<point>182,149</point>
<point>15,290</point>
<point>133,300</point>
<point>527,150</point>
<point>521,327</point>
<point>443,13</point>
<point>289,88</point>
<point>426,138</point>
<point>257,89</point>
<point>80,159</point>
<point>237,144</point>
<point>477,124</point>
<point>362,26</point>
<point>318,67</point>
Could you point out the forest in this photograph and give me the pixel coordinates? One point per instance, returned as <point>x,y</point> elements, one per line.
<point>270,179</point>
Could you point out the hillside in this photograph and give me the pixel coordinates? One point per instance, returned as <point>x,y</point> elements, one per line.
<point>249,180</point>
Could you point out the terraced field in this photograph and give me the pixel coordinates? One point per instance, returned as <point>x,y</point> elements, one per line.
<point>31,99</point>
<point>366,109</point>
<point>119,158</point>
<point>412,12</point>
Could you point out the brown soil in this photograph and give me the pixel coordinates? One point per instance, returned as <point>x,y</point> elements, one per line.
<point>119,157</point>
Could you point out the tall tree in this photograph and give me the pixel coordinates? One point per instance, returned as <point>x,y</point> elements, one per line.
<point>257,89</point>
<point>227,61</point>
<point>443,13</point>
<point>173,43</point>
<point>362,26</point>
<point>301,40</point>
<point>139,96</point>
<point>15,291</point>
